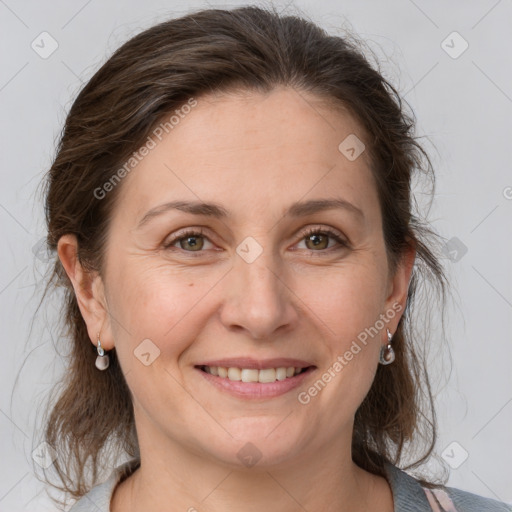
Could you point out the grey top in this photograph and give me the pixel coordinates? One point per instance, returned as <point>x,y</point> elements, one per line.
<point>408,494</point>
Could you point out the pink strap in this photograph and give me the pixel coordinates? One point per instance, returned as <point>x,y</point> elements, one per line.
<point>442,498</point>
<point>431,500</point>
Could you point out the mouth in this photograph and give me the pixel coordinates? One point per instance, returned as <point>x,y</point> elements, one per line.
<point>256,379</point>
<point>263,376</point>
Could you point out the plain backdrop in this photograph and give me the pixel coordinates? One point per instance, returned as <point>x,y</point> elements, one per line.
<point>450,61</point>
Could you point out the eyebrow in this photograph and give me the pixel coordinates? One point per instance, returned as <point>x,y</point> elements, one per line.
<point>298,209</point>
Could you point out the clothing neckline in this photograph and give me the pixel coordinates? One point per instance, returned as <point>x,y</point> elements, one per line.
<point>404,487</point>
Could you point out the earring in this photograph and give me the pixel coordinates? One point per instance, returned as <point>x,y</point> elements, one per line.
<point>387,354</point>
<point>103,360</point>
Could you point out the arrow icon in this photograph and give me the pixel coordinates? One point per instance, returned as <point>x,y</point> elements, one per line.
<point>249,455</point>
<point>454,45</point>
<point>44,455</point>
<point>351,147</point>
<point>44,45</point>
<point>146,352</point>
<point>455,455</point>
<point>249,245</point>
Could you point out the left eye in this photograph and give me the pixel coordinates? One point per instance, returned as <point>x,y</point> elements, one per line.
<point>318,238</point>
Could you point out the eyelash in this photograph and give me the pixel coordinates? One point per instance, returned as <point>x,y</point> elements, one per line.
<point>311,231</point>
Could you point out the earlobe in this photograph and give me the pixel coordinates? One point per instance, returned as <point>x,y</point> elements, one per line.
<point>89,291</point>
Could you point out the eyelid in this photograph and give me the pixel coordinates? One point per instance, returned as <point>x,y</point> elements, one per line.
<point>333,232</point>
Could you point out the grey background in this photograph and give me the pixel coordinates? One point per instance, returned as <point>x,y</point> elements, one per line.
<point>463,106</point>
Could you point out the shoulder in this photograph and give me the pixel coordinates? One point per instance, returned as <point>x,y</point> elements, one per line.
<point>407,491</point>
<point>467,501</point>
<point>99,497</point>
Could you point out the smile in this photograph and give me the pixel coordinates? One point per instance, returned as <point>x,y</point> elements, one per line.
<point>253,375</point>
<point>253,383</point>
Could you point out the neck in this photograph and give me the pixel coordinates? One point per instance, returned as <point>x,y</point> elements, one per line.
<point>173,477</point>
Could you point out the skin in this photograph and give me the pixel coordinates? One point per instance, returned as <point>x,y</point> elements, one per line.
<point>255,154</point>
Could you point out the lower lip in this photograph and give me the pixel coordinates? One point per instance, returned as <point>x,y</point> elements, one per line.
<point>257,389</point>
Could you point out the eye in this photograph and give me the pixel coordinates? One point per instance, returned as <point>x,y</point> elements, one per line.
<point>318,238</point>
<point>192,238</point>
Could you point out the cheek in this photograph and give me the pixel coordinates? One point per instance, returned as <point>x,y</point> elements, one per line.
<point>157,302</point>
<point>347,304</point>
<point>155,320</point>
<point>347,299</point>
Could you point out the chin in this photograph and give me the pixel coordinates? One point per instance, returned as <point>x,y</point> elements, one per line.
<point>259,442</point>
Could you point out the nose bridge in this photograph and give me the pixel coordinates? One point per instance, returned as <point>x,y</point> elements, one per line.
<point>258,298</point>
<point>255,265</point>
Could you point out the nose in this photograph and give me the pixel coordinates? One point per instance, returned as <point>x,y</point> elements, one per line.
<point>257,298</point>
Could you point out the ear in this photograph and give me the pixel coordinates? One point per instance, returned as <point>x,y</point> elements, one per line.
<point>89,291</point>
<point>398,287</point>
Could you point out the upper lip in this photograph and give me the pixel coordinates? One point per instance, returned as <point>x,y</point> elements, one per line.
<point>258,364</point>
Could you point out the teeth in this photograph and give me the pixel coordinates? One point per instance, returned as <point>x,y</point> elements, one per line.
<point>281,373</point>
<point>249,375</point>
<point>234,374</point>
<point>253,375</point>
<point>267,375</point>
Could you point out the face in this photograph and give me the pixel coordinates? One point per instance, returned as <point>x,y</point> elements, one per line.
<point>258,281</point>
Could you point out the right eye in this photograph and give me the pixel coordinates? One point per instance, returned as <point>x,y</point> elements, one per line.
<point>190,237</point>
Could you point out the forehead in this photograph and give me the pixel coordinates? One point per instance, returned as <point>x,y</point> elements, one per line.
<point>250,150</point>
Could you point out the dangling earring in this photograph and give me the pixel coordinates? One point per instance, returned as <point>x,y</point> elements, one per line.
<point>103,360</point>
<point>387,354</point>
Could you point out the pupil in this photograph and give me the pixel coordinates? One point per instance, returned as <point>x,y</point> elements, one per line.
<point>316,239</point>
<point>192,242</point>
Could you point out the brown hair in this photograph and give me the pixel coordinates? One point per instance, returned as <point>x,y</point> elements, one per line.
<point>151,75</point>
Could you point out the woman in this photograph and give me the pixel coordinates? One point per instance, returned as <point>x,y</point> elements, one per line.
<point>231,209</point>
